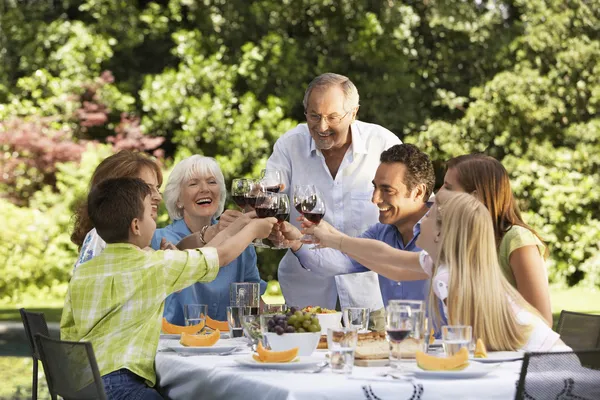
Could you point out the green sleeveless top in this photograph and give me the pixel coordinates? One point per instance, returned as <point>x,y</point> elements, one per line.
<point>515,238</point>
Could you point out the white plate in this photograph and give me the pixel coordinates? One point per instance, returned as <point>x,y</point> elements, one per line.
<point>298,363</point>
<point>499,356</point>
<point>202,350</point>
<point>170,336</point>
<point>224,335</point>
<point>474,370</point>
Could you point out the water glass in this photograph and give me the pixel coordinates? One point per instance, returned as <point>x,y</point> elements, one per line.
<point>357,318</point>
<point>455,337</point>
<point>274,308</point>
<point>234,319</point>
<point>341,344</point>
<point>245,294</point>
<point>252,329</point>
<point>195,314</point>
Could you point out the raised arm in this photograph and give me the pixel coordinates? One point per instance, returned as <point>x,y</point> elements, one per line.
<point>397,265</point>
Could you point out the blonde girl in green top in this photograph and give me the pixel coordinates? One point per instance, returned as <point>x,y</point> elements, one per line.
<point>521,252</point>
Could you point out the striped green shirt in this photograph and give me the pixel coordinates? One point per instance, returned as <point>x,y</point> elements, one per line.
<point>116,300</point>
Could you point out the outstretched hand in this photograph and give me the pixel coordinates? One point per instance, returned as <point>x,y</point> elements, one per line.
<point>325,234</point>
<point>263,226</point>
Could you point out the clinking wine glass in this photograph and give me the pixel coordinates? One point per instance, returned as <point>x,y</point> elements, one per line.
<point>283,214</point>
<point>239,188</point>
<point>313,210</point>
<point>266,206</point>
<point>272,180</point>
<point>299,194</point>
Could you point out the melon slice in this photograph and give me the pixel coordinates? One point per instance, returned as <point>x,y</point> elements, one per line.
<point>177,329</point>
<point>480,350</point>
<point>214,324</point>
<point>200,340</point>
<point>268,356</point>
<point>455,363</point>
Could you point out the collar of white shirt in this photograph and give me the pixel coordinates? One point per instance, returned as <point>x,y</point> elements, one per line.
<point>358,142</point>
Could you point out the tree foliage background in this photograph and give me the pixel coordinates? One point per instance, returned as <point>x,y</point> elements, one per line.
<point>81,79</point>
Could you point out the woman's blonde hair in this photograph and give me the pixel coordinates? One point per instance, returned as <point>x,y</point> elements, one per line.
<point>478,293</point>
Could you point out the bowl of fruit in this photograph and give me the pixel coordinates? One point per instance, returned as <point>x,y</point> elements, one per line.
<point>327,318</point>
<point>295,328</point>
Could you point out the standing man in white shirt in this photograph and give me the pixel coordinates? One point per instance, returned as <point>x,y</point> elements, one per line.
<point>339,155</point>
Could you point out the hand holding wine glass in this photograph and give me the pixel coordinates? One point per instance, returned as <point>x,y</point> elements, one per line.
<point>325,235</point>
<point>283,214</point>
<point>266,206</point>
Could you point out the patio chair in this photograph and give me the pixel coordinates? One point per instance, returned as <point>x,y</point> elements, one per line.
<point>71,369</point>
<point>578,330</point>
<point>564,375</point>
<point>34,322</point>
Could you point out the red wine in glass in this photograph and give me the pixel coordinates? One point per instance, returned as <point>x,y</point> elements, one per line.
<point>315,218</point>
<point>282,217</point>
<point>309,203</point>
<point>398,335</point>
<point>240,201</point>
<point>273,189</point>
<point>251,201</point>
<point>264,212</point>
<point>298,207</point>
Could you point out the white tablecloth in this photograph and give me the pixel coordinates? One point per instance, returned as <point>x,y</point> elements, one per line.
<point>220,377</point>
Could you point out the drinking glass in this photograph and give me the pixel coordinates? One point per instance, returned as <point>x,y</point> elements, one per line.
<point>245,294</point>
<point>266,206</point>
<point>239,188</point>
<point>234,320</point>
<point>252,329</point>
<point>341,344</point>
<point>357,318</point>
<point>283,213</point>
<point>417,308</point>
<point>195,314</point>
<point>313,209</point>
<point>274,308</point>
<point>399,327</point>
<point>272,180</point>
<point>455,337</point>
<point>300,193</point>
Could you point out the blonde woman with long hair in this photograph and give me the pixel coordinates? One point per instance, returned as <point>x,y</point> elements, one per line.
<point>457,236</point>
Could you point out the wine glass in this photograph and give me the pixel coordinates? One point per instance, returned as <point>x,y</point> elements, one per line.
<point>283,213</point>
<point>313,209</point>
<point>239,188</point>
<point>266,206</point>
<point>399,326</point>
<point>272,180</point>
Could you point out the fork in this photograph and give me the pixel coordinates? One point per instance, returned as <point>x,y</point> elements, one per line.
<point>229,352</point>
<point>320,367</point>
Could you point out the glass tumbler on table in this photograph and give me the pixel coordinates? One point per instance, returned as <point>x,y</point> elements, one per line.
<point>341,344</point>
<point>245,294</point>
<point>357,318</point>
<point>455,337</point>
<point>235,315</point>
<point>252,330</point>
<point>195,314</point>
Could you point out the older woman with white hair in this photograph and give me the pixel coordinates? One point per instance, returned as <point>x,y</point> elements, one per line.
<point>195,197</point>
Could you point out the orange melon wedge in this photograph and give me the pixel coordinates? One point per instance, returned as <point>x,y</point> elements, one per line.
<point>177,329</point>
<point>200,340</point>
<point>480,350</point>
<point>214,324</point>
<point>457,362</point>
<point>268,356</point>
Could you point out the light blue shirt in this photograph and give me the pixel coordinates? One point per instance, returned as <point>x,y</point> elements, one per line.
<point>215,294</point>
<point>348,205</point>
<point>330,262</point>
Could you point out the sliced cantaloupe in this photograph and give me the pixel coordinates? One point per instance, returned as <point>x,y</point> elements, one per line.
<point>268,356</point>
<point>177,329</point>
<point>214,324</point>
<point>455,363</point>
<point>480,350</point>
<point>431,336</point>
<point>200,340</point>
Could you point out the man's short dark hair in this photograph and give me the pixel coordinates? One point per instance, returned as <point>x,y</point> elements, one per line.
<point>113,204</point>
<point>419,168</point>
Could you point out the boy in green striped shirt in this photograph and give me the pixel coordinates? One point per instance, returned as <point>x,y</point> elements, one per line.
<point>116,300</point>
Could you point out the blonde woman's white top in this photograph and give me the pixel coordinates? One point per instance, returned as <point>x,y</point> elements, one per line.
<point>541,338</point>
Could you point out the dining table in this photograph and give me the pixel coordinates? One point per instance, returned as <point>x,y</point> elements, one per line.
<point>231,375</point>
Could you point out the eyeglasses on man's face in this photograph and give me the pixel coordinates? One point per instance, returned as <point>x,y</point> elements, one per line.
<point>331,120</point>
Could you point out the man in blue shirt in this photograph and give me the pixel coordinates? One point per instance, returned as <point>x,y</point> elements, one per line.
<point>403,184</point>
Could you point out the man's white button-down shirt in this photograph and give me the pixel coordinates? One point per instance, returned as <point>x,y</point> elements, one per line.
<point>348,208</point>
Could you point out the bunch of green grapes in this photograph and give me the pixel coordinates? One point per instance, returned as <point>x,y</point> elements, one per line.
<point>294,321</point>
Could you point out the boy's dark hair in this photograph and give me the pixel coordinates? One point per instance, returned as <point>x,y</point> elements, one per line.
<point>419,168</point>
<point>113,204</point>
